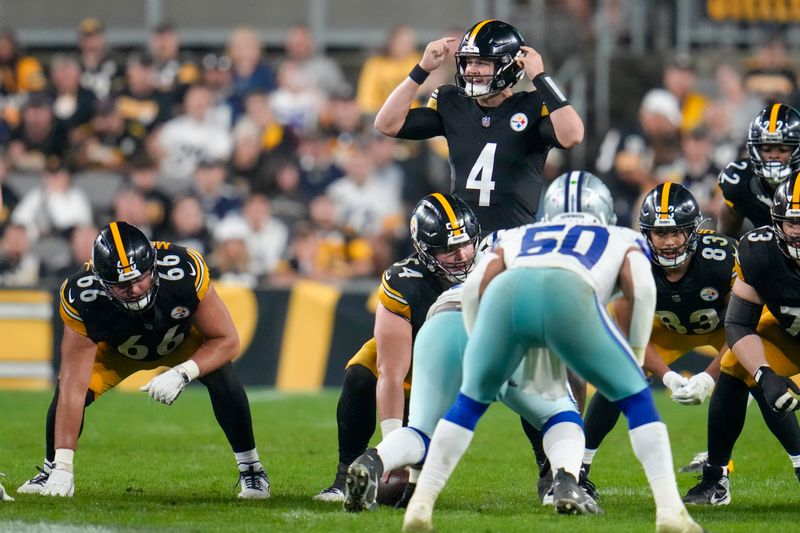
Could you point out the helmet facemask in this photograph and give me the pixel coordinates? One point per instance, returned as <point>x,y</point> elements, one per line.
<point>119,291</point>
<point>452,271</point>
<point>505,74</point>
<point>789,245</point>
<point>673,257</point>
<point>774,172</point>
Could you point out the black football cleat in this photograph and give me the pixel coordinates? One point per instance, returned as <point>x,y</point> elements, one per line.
<point>569,498</point>
<point>361,482</point>
<point>713,489</point>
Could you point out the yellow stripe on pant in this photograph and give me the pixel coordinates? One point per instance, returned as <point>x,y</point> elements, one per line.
<point>307,336</point>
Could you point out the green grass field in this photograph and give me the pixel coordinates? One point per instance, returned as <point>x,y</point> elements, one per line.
<point>143,466</point>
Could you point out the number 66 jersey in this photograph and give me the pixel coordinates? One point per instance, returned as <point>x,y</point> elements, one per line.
<point>154,334</point>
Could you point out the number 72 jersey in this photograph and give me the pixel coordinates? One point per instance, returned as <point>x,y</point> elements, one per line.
<point>594,252</point>
<point>148,336</point>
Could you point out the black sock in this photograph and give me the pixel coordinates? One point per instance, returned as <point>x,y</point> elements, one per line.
<point>535,438</point>
<point>601,417</point>
<point>231,407</point>
<point>726,414</point>
<point>355,413</point>
<point>50,424</point>
<point>783,425</point>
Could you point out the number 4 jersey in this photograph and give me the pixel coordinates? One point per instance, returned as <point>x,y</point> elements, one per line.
<point>153,334</point>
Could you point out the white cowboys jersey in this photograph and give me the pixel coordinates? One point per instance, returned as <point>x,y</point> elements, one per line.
<point>594,252</point>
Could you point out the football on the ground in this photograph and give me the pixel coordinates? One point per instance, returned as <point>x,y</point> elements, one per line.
<point>389,493</point>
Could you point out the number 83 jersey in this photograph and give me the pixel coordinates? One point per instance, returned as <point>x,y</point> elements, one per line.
<point>695,304</point>
<point>152,334</point>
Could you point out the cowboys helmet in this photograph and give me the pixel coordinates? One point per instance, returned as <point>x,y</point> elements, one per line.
<point>579,196</point>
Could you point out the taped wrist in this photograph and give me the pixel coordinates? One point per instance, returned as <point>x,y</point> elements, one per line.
<point>552,95</point>
<point>741,319</point>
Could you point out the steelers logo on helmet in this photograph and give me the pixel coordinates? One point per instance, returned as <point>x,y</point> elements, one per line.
<point>124,262</point>
<point>773,144</point>
<point>579,196</point>
<point>446,235</point>
<point>786,216</point>
<point>412,226</point>
<point>519,122</point>
<point>669,219</point>
<point>486,59</point>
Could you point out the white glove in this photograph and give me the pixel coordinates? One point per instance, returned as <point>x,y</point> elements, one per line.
<point>168,386</point>
<point>4,496</point>
<point>60,482</point>
<point>695,391</point>
<point>674,381</point>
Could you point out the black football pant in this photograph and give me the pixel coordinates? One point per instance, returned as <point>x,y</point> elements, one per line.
<point>228,399</point>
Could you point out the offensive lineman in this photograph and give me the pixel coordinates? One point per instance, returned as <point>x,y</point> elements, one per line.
<point>139,305</point>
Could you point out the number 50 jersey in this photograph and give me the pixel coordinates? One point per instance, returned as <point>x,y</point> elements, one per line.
<point>153,334</point>
<point>592,251</point>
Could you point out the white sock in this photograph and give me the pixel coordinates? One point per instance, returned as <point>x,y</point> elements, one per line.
<point>448,445</point>
<point>588,456</point>
<point>651,445</point>
<point>401,447</point>
<point>47,466</point>
<point>564,443</point>
<point>795,460</point>
<point>245,459</point>
<point>413,475</point>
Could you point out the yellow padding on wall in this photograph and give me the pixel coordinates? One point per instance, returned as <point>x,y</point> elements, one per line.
<point>243,307</point>
<point>307,336</point>
<point>26,340</point>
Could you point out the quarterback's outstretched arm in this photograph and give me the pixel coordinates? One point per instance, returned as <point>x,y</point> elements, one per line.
<point>393,340</point>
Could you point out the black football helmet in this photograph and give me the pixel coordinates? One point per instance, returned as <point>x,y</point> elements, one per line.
<point>442,223</point>
<point>496,41</point>
<point>122,256</point>
<point>776,124</point>
<point>670,206</point>
<point>786,208</point>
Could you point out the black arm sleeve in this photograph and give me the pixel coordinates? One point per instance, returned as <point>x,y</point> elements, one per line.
<point>547,133</point>
<point>421,123</point>
<point>741,319</point>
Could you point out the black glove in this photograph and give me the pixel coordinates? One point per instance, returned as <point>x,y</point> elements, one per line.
<point>777,390</point>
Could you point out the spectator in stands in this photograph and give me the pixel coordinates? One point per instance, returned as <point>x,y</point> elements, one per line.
<point>383,72</point>
<point>175,72</point>
<point>39,140</point>
<point>770,74</point>
<point>250,73</point>
<point>101,72</point>
<point>217,76</point>
<point>267,236</point>
<point>105,143</point>
<point>318,167</point>
<point>19,74</point>
<point>356,195</point>
<point>323,72</point>
<point>297,103</point>
<point>680,78</point>
<point>81,243</point>
<point>191,137</point>
<point>346,121</point>
<point>142,105</point>
<point>19,267</point>
<point>130,205</point>
<point>144,178</point>
<point>634,159</point>
<point>54,208</point>
<point>73,105</point>
<point>700,174</point>
<point>188,225</point>
<point>231,260</point>
<point>217,197</point>
<point>7,194</point>
<point>289,204</point>
<point>259,142</point>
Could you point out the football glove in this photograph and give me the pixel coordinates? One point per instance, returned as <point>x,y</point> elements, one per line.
<point>674,381</point>
<point>781,392</point>
<point>60,482</point>
<point>166,387</point>
<point>695,391</point>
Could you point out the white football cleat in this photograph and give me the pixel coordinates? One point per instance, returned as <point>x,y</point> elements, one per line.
<point>60,483</point>
<point>4,496</point>
<point>254,481</point>
<point>36,483</point>
<point>679,522</point>
<point>419,516</point>
<point>331,494</point>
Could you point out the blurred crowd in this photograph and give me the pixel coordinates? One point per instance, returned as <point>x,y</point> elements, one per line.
<point>272,169</point>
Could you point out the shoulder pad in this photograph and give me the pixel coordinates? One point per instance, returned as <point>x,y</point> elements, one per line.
<point>176,262</point>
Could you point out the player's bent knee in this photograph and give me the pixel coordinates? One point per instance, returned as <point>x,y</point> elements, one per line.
<point>639,408</point>
<point>359,378</point>
<point>563,416</point>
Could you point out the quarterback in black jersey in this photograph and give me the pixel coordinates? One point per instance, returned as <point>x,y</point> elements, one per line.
<point>761,325</point>
<point>693,270</point>
<point>773,146</point>
<point>445,234</point>
<point>498,140</point>
<point>140,305</point>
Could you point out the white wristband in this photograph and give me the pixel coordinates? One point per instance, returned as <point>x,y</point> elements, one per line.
<point>389,425</point>
<point>188,371</point>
